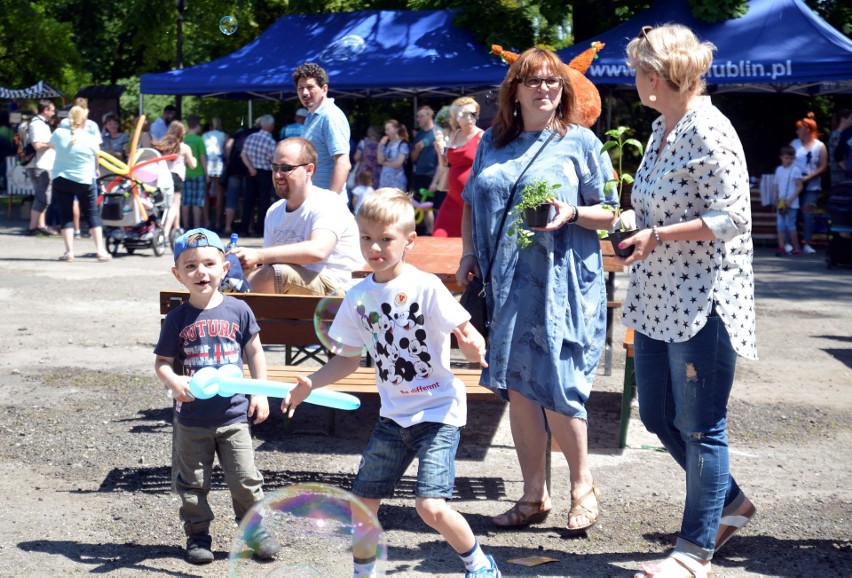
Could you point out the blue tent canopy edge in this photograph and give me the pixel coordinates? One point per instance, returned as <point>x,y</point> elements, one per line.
<point>369,52</point>
<point>778,46</point>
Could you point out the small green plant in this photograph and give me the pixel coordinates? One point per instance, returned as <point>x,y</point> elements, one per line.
<point>533,195</point>
<point>618,141</point>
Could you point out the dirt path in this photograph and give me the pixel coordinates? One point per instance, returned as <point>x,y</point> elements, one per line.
<point>85,439</point>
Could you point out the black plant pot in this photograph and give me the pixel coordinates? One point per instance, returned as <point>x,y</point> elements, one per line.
<point>616,237</point>
<point>537,216</point>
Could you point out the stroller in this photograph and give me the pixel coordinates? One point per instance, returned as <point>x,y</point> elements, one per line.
<point>134,207</point>
<point>840,228</point>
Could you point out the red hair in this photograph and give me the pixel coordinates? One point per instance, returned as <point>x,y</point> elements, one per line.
<point>809,123</point>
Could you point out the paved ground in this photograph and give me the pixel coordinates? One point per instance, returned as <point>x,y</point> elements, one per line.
<point>84,439</point>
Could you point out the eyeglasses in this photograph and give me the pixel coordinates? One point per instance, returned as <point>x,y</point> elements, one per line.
<point>550,82</point>
<point>808,157</point>
<point>644,32</point>
<point>468,114</point>
<point>286,169</point>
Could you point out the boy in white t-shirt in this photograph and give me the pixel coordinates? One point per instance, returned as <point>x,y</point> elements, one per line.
<point>788,186</point>
<point>404,318</point>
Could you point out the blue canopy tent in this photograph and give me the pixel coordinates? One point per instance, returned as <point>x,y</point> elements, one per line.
<point>367,53</point>
<point>778,46</point>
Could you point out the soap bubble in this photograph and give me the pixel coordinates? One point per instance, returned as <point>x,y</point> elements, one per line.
<point>346,48</point>
<point>320,529</point>
<point>228,25</point>
<point>324,315</point>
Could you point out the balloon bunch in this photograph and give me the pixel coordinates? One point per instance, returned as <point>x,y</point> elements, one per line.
<point>422,206</point>
<point>137,171</point>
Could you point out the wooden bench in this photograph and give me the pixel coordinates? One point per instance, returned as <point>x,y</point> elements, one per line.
<point>291,320</point>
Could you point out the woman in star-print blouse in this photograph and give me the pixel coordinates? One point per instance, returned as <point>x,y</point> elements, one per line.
<point>690,298</point>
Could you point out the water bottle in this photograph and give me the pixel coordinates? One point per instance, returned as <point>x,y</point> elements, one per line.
<point>235,280</point>
<point>232,243</point>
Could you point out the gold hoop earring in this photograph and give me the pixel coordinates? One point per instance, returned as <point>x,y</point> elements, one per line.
<point>653,98</point>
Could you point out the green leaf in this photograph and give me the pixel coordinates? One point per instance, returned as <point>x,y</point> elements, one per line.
<point>608,145</point>
<point>636,144</point>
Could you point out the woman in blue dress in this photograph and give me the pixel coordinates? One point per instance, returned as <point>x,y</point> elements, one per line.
<point>548,301</point>
<point>391,155</point>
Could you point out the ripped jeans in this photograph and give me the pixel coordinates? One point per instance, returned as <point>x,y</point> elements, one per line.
<point>683,393</point>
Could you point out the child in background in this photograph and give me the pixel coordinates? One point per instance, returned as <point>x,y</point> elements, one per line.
<point>788,185</point>
<point>211,330</point>
<point>405,318</point>
<point>363,188</point>
<point>193,209</point>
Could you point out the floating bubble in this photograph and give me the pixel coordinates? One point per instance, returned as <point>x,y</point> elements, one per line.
<point>346,48</point>
<point>321,530</point>
<point>228,25</point>
<point>324,315</point>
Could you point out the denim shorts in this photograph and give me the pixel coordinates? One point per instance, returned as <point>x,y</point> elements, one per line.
<point>391,450</point>
<point>787,221</point>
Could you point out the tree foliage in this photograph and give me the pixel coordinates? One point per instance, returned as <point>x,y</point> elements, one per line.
<point>72,43</point>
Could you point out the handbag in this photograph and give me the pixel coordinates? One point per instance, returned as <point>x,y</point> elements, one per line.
<point>473,298</point>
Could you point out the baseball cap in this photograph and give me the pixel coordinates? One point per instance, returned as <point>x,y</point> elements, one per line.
<point>197,238</point>
<point>303,112</point>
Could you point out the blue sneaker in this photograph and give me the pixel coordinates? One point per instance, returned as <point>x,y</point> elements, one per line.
<point>492,570</point>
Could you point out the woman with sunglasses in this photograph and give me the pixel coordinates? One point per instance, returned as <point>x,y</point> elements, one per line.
<point>690,298</point>
<point>547,302</point>
<point>458,156</point>
<point>812,159</point>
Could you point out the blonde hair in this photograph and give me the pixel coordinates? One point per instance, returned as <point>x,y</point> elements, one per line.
<point>77,117</point>
<point>388,206</point>
<point>675,53</point>
<point>464,101</point>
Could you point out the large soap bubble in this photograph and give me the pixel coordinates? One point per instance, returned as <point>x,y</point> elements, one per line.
<point>321,530</point>
<point>327,310</point>
<point>228,25</point>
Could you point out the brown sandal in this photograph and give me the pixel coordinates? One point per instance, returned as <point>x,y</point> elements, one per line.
<point>578,509</point>
<point>518,519</point>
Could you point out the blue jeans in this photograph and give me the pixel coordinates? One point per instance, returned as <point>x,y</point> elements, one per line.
<point>391,450</point>
<point>683,393</point>
<point>808,198</point>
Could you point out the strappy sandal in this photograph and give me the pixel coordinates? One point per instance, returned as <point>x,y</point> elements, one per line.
<point>690,567</point>
<point>731,524</point>
<point>518,518</point>
<point>67,257</point>
<point>578,509</point>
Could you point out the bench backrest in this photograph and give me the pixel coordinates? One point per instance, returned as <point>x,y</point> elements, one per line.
<point>283,319</point>
<point>292,319</point>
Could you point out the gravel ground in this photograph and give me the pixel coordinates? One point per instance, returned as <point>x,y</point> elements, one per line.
<point>85,441</point>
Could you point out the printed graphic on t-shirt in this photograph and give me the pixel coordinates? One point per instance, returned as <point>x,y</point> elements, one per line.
<point>209,342</point>
<point>399,343</point>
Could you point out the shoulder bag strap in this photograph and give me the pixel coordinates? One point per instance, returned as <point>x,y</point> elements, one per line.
<point>487,279</point>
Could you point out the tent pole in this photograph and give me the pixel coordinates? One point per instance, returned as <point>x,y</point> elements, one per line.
<point>250,113</point>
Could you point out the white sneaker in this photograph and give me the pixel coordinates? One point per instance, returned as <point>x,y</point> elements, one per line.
<point>807,249</point>
<point>788,248</point>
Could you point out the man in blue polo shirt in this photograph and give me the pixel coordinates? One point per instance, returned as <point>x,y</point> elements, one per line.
<point>326,127</point>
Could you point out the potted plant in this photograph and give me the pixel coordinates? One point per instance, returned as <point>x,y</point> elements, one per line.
<point>618,141</point>
<point>532,211</point>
